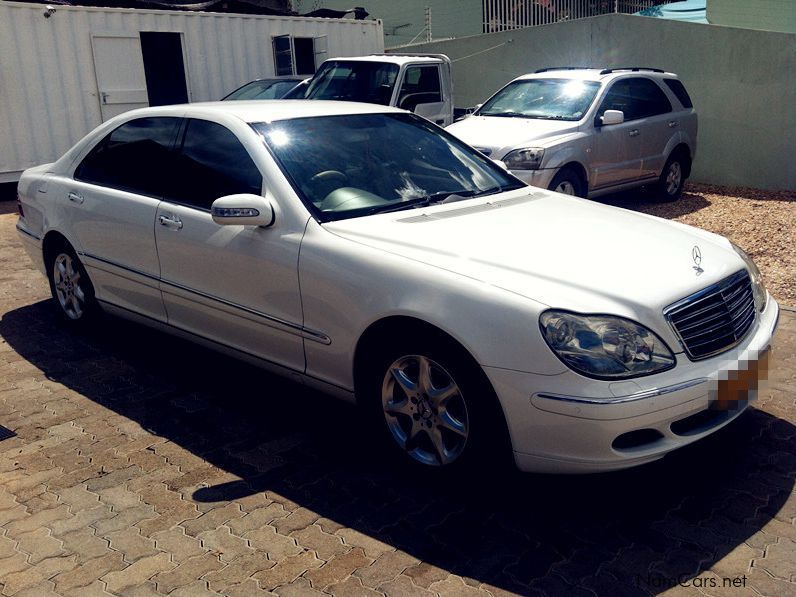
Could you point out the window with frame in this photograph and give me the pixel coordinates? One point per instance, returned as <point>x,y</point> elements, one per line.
<point>211,163</point>
<point>294,55</point>
<point>421,86</point>
<point>637,98</point>
<point>135,157</point>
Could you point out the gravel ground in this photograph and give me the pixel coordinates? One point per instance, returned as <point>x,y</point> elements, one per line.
<point>763,223</point>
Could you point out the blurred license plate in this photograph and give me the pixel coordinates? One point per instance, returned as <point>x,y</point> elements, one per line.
<point>736,388</point>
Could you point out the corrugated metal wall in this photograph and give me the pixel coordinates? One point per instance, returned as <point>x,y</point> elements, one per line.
<point>48,88</point>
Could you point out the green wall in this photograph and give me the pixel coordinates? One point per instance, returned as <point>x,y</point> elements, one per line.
<point>741,81</point>
<point>768,15</point>
<point>405,19</point>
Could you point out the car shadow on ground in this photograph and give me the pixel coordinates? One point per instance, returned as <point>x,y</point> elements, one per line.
<point>627,533</point>
<point>644,200</point>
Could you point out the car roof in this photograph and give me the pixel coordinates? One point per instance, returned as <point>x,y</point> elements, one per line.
<point>266,110</point>
<point>593,74</point>
<point>398,59</point>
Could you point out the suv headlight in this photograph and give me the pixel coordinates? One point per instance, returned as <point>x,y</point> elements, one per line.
<point>529,158</point>
<point>604,346</point>
<point>758,288</point>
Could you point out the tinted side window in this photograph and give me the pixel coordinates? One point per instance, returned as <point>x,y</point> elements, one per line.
<point>421,86</point>
<point>212,163</point>
<point>679,91</point>
<point>637,98</point>
<point>135,157</point>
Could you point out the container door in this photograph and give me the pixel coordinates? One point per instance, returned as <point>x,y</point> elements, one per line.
<point>121,80</point>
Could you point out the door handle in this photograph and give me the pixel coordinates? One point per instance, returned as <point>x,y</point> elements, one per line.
<point>673,123</point>
<point>634,133</point>
<point>75,197</point>
<point>174,222</point>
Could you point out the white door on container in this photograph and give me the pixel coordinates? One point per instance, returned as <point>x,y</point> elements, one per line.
<point>119,65</point>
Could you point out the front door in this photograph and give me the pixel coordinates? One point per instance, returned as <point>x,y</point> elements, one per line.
<point>617,147</point>
<point>235,285</point>
<point>121,79</point>
<point>421,92</point>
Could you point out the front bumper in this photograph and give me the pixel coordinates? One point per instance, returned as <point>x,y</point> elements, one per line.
<point>536,178</point>
<point>570,424</point>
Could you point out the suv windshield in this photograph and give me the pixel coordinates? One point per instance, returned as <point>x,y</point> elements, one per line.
<point>354,81</point>
<point>552,99</point>
<point>354,165</point>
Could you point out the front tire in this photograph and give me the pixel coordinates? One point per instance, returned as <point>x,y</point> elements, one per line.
<point>434,408</point>
<point>70,286</point>
<point>569,182</point>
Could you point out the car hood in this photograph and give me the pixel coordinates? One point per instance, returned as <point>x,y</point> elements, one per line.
<point>562,252</point>
<point>499,135</point>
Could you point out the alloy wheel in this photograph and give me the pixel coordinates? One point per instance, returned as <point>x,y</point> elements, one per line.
<point>68,291</point>
<point>674,176</point>
<point>425,410</point>
<point>565,187</point>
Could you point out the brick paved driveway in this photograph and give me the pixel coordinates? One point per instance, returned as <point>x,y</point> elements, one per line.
<point>144,465</point>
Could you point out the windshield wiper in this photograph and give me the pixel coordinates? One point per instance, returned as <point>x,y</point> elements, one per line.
<point>437,198</point>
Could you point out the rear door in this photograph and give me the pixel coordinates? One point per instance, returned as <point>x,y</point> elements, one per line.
<point>236,285</point>
<point>111,203</point>
<point>656,124</point>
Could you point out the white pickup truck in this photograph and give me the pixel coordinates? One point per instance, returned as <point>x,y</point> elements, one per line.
<point>421,83</point>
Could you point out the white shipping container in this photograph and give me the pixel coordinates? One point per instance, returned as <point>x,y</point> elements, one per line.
<point>66,69</point>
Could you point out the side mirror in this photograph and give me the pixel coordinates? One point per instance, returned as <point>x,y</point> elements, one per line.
<point>612,117</point>
<point>245,209</point>
<point>501,163</point>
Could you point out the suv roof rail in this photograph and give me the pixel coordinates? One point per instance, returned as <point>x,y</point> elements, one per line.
<point>607,71</point>
<point>544,70</point>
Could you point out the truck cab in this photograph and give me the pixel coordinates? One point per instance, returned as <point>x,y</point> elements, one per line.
<point>419,83</point>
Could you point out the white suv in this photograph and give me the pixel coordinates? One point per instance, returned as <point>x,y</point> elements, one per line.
<point>589,132</point>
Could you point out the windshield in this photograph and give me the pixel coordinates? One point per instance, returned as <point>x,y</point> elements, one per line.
<point>354,81</point>
<point>553,99</point>
<point>354,165</point>
<point>266,89</point>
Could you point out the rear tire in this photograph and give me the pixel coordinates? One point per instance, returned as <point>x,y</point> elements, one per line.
<point>673,176</point>
<point>569,182</point>
<point>70,286</point>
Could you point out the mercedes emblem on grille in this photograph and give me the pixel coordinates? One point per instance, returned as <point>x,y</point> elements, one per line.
<point>696,255</point>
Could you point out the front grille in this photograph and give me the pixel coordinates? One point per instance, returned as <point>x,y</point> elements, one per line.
<point>714,319</point>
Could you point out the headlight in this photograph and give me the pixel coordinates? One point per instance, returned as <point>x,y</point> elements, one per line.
<point>603,346</point>
<point>758,288</point>
<point>524,159</point>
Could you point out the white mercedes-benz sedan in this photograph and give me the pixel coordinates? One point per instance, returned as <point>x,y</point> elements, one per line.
<point>364,251</point>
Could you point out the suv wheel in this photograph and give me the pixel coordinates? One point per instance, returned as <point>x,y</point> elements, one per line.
<point>569,182</point>
<point>672,179</point>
